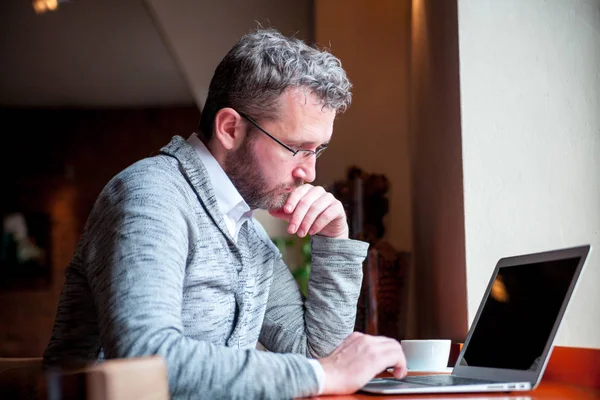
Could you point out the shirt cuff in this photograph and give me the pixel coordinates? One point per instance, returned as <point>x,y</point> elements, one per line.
<point>319,372</point>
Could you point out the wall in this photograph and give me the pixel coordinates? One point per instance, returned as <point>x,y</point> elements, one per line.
<point>439,296</point>
<point>200,33</point>
<point>530,95</point>
<point>93,54</point>
<point>61,160</point>
<point>372,39</point>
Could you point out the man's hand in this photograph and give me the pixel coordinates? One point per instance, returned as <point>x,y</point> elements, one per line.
<point>358,360</point>
<point>311,210</point>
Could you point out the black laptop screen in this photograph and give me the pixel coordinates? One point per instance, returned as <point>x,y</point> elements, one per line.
<point>519,315</point>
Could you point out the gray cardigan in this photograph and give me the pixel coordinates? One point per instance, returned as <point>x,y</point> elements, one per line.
<point>157,272</point>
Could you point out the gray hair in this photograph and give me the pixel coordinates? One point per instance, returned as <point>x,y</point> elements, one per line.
<point>261,66</point>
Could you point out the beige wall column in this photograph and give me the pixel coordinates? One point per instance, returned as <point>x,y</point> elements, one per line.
<point>530,92</point>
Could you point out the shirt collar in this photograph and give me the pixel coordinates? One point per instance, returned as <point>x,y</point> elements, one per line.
<point>230,201</point>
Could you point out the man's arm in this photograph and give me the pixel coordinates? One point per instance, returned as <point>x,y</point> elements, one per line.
<point>331,303</point>
<point>357,358</point>
<point>317,326</point>
<point>136,261</point>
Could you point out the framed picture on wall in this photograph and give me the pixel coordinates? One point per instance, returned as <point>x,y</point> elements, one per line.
<point>24,250</point>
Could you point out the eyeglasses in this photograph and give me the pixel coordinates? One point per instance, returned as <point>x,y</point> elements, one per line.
<point>304,154</point>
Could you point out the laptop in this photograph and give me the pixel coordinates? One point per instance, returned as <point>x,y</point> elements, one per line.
<point>512,335</point>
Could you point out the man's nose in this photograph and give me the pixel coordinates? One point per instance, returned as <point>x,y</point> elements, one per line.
<point>307,170</point>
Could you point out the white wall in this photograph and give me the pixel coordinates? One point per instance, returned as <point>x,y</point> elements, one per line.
<point>530,97</point>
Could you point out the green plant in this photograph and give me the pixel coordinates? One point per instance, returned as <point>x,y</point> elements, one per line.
<point>301,269</point>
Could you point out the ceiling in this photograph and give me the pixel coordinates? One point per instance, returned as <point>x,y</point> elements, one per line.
<point>124,53</point>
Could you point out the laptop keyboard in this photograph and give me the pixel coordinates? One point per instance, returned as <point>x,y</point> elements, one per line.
<point>444,380</point>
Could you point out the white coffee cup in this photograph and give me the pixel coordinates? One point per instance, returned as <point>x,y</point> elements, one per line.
<point>426,354</point>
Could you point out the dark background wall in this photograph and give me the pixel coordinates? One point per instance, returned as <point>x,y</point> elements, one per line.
<point>55,162</point>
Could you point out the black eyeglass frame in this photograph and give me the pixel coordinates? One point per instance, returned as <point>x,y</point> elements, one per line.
<point>307,153</point>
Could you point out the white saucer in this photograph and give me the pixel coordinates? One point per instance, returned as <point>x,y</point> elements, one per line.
<point>436,371</point>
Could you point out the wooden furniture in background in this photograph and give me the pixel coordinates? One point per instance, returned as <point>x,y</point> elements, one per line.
<point>382,305</point>
<point>21,378</point>
<point>120,379</point>
<point>384,295</point>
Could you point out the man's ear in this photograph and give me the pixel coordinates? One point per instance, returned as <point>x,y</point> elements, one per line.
<point>229,128</point>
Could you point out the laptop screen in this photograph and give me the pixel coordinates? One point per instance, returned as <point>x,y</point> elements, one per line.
<point>519,314</point>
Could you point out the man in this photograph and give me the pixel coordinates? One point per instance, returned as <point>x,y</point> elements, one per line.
<point>171,261</point>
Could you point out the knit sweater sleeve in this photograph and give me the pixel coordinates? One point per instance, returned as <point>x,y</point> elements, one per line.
<point>315,326</point>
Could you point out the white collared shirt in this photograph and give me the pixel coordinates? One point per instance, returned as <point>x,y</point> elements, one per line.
<point>235,211</point>
<point>231,203</point>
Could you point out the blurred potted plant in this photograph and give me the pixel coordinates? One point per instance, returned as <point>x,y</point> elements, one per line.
<point>301,265</point>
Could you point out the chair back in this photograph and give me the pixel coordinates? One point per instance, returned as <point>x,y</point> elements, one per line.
<point>143,378</point>
<point>21,378</point>
<point>382,305</point>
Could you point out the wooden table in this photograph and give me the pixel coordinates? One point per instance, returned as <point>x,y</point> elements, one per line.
<point>545,391</point>
<point>572,373</point>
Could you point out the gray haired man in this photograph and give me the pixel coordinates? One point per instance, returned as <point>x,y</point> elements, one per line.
<point>172,262</point>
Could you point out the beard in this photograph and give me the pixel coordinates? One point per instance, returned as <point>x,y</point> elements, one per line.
<point>244,171</point>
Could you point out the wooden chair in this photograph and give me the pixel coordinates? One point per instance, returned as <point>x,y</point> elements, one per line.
<point>21,378</point>
<point>132,378</point>
<point>382,305</point>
